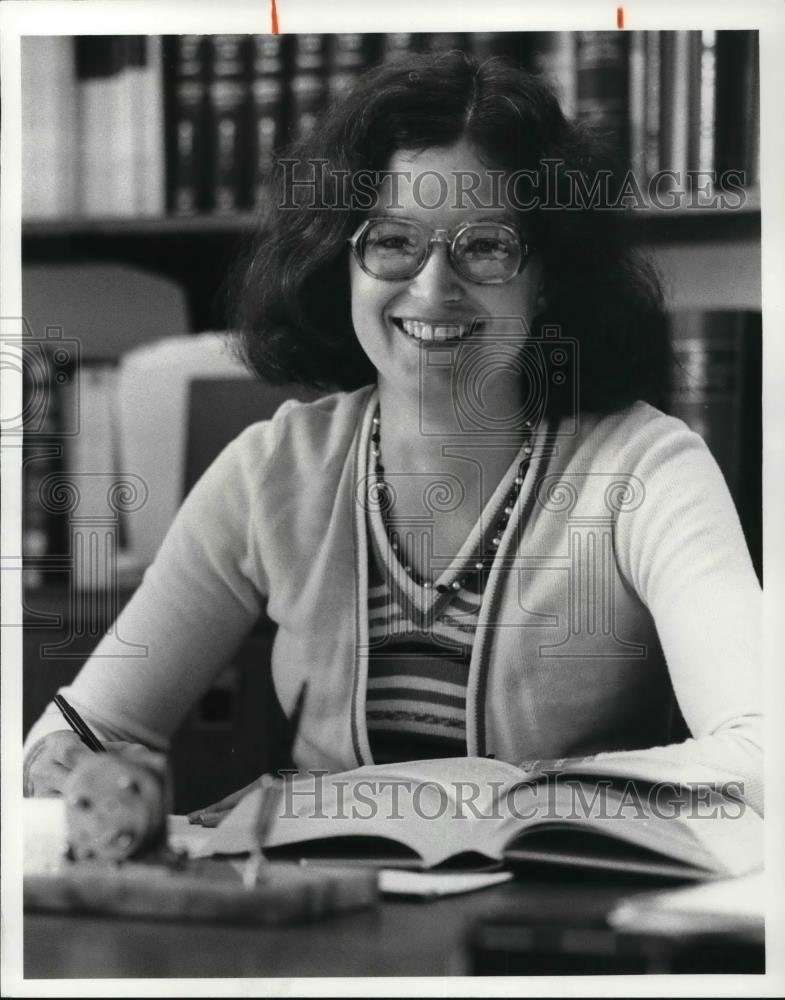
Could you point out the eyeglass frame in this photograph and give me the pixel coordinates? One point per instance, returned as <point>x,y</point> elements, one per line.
<point>441,236</point>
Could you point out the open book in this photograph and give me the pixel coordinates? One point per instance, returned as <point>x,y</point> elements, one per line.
<point>473,812</point>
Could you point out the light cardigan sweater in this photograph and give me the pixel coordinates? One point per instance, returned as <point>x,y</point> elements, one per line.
<point>622,578</point>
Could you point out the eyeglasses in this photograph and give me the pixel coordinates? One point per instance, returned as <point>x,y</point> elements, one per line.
<point>488,253</point>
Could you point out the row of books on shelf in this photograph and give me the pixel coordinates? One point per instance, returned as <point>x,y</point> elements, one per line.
<point>130,126</point>
<point>91,422</point>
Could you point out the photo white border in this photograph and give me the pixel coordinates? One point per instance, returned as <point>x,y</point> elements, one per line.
<point>47,17</point>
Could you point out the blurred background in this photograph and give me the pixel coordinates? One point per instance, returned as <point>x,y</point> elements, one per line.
<point>146,161</point>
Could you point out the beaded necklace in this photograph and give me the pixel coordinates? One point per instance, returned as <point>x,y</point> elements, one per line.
<point>483,560</point>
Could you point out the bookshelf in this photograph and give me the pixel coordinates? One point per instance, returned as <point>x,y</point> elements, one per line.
<point>178,200</point>
<point>164,145</point>
<point>198,251</point>
<point>705,222</point>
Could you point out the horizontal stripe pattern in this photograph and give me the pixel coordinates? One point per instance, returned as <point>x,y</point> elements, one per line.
<point>387,746</point>
<point>420,648</point>
<point>420,640</point>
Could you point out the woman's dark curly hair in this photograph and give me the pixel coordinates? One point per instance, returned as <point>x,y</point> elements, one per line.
<point>293,301</point>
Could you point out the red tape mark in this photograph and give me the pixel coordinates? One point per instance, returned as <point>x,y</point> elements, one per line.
<point>273,18</point>
<point>619,16</point>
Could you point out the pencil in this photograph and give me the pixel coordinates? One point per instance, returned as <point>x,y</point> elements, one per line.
<point>272,789</point>
<point>79,726</point>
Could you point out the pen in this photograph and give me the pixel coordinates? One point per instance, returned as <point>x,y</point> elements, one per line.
<point>79,726</point>
<point>271,788</point>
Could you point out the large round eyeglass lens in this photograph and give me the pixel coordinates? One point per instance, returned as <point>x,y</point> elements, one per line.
<point>392,249</point>
<point>487,253</point>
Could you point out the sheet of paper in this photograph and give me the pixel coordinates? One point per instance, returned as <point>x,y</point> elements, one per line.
<point>44,835</point>
<point>733,903</point>
<point>397,882</point>
<point>183,836</point>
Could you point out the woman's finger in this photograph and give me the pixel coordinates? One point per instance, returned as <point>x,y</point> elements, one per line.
<point>214,818</point>
<point>207,817</point>
<point>223,805</point>
<point>69,754</point>
<point>217,808</point>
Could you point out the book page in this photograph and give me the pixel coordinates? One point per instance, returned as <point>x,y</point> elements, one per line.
<point>710,833</point>
<point>432,885</point>
<point>736,904</point>
<point>438,808</point>
<point>444,808</point>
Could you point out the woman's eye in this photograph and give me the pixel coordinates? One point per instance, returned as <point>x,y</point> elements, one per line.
<point>391,243</point>
<point>486,247</point>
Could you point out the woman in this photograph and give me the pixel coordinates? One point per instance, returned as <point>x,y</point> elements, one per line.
<point>492,540</point>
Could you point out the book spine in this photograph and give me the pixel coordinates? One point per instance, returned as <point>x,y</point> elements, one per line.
<point>487,44</point>
<point>267,112</point>
<point>651,155</point>
<point>308,85</point>
<point>749,494</point>
<point>709,350</point>
<point>349,55</point>
<point>187,145</point>
<point>637,101</point>
<point>227,100</point>
<point>135,71</point>
<point>446,41</point>
<point>679,112</point>
<point>731,124</point>
<point>752,111</point>
<point>399,44</point>
<point>666,99</point>
<point>552,55</point>
<point>704,109</point>
<point>149,118</point>
<point>602,73</point>
<point>99,63</point>
<point>123,135</point>
<point>47,380</point>
<point>719,397</point>
<point>37,463</point>
<point>49,127</point>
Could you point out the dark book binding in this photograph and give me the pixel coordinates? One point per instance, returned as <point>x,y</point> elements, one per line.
<point>307,84</point>
<point>349,55</point>
<point>186,59</point>
<point>227,128</point>
<point>602,78</point>
<point>718,394</point>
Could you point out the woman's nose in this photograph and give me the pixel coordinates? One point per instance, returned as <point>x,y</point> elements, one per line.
<point>437,282</point>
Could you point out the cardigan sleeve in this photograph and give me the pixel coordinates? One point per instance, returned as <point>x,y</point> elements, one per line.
<point>684,553</point>
<point>197,602</point>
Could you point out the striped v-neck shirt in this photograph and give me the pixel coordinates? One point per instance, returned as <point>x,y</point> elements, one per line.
<point>421,643</point>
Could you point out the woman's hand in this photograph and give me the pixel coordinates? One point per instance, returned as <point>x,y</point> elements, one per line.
<point>53,757</point>
<point>212,815</point>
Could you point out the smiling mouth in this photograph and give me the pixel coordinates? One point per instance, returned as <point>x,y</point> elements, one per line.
<point>419,330</point>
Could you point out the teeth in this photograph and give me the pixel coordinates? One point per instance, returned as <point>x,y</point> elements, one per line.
<point>425,331</point>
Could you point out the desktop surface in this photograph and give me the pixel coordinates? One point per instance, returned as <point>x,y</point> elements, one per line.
<point>451,936</point>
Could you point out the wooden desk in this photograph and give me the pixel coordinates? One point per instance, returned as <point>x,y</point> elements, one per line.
<point>397,939</point>
<point>400,938</point>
